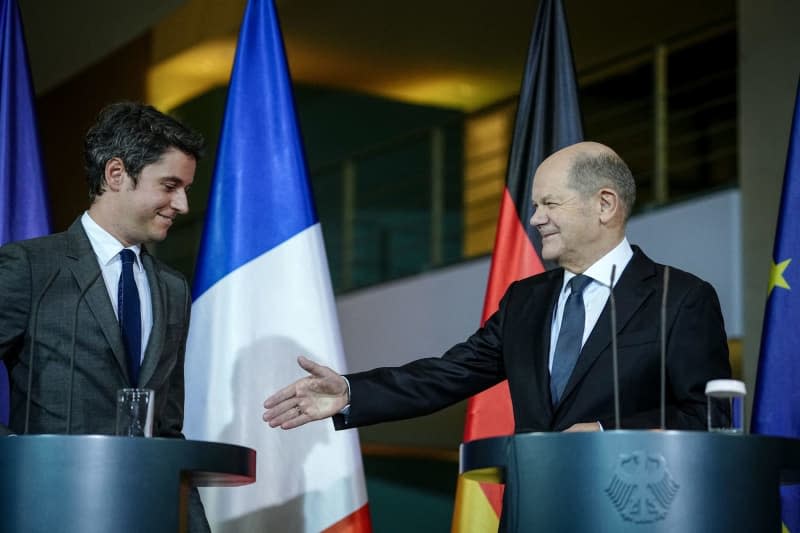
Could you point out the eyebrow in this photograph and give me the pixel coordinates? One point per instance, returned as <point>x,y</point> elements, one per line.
<point>544,199</point>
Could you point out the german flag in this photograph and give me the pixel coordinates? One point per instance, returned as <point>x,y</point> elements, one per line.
<point>548,119</point>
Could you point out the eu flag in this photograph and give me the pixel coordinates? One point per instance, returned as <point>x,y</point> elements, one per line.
<point>23,203</point>
<point>776,407</point>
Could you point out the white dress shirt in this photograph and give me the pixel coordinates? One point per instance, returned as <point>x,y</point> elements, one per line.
<point>107,248</point>
<point>595,295</point>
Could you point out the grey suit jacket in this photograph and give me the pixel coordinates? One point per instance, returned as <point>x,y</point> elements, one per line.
<point>52,272</point>
<point>43,317</point>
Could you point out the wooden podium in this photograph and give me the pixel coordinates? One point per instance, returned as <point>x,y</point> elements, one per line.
<point>636,481</point>
<point>94,484</point>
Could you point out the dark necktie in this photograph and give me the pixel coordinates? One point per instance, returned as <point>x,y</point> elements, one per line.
<point>130,318</point>
<point>570,337</point>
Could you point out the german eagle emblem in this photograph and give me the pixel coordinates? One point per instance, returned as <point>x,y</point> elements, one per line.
<point>642,488</point>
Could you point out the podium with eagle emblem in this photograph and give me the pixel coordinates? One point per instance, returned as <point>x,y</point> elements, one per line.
<point>636,481</point>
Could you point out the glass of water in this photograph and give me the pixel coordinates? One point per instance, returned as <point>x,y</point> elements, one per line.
<point>724,402</point>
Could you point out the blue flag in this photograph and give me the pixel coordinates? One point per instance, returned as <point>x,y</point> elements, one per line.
<point>776,406</point>
<point>261,298</point>
<point>23,203</point>
<point>260,178</point>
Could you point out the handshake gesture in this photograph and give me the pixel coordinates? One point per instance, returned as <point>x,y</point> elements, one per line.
<point>322,394</point>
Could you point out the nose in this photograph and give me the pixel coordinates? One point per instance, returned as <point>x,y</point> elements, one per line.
<point>538,217</point>
<point>180,202</point>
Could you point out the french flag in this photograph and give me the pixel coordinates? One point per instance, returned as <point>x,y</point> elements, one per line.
<point>262,297</point>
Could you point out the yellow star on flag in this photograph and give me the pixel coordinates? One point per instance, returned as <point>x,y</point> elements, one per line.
<point>776,278</point>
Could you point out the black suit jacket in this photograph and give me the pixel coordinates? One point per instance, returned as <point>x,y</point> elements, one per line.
<point>514,344</point>
<point>55,270</point>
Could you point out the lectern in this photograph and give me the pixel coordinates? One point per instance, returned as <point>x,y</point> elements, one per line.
<point>636,481</point>
<point>94,484</point>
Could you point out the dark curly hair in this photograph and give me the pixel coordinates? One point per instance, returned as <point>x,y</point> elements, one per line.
<point>139,135</point>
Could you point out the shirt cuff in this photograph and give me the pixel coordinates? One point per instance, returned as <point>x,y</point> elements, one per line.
<point>346,409</point>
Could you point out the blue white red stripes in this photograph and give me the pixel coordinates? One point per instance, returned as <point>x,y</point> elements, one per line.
<point>262,297</point>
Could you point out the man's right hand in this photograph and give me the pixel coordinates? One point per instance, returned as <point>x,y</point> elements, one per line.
<point>320,395</point>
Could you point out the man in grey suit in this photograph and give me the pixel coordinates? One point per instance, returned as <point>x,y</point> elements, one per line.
<point>60,335</point>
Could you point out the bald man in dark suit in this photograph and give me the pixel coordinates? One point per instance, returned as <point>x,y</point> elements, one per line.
<point>551,334</point>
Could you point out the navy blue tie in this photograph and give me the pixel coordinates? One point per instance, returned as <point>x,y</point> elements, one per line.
<point>570,338</point>
<point>130,318</point>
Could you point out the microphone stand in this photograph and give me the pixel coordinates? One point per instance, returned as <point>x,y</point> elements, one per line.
<point>664,349</point>
<point>614,352</point>
<point>72,351</point>
<point>34,335</point>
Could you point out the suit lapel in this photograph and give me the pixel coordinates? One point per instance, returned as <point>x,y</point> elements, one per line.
<point>634,287</point>
<point>157,294</point>
<point>86,271</point>
<point>537,319</point>
<point>543,360</point>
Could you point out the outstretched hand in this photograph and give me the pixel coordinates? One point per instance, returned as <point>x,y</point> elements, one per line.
<point>320,395</point>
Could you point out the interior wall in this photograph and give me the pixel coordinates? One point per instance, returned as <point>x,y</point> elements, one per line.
<point>67,37</point>
<point>701,236</point>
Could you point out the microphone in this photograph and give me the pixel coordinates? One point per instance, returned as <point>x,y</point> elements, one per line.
<point>34,332</point>
<point>664,349</point>
<point>614,353</point>
<point>72,350</point>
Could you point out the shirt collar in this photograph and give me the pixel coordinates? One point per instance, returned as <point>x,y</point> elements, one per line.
<point>105,245</point>
<point>600,270</point>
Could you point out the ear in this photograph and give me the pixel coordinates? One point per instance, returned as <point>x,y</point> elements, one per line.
<point>609,204</point>
<point>115,174</point>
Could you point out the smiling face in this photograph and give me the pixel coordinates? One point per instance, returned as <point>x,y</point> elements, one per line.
<point>143,211</point>
<point>577,206</point>
<point>567,220</point>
